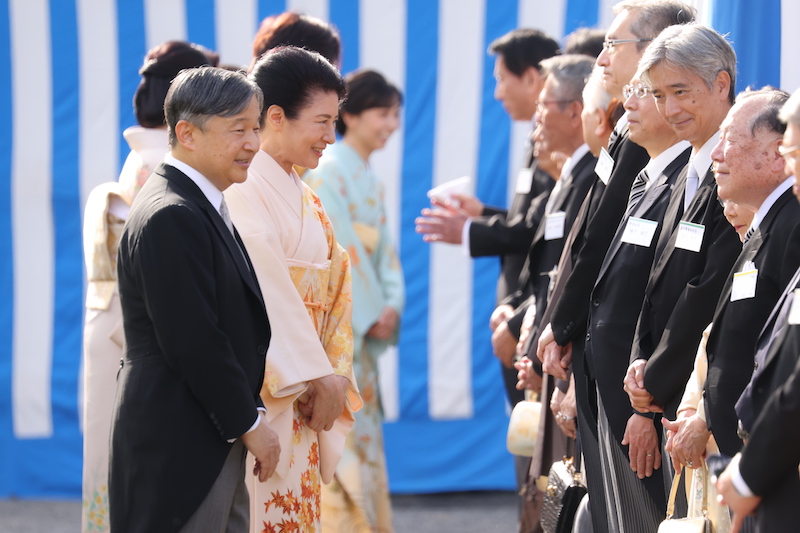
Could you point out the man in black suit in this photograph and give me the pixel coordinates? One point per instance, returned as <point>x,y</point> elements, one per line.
<point>764,477</point>
<point>487,230</point>
<point>196,327</point>
<point>691,71</point>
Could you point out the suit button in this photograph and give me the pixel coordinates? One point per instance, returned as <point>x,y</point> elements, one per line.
<point>755,365</point>
<point>262,349</point>
<point>595,302</point>
<point>588,336</point>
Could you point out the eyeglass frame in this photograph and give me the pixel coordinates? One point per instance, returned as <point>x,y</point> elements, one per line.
<point>628,90</point>
<point>788,150</point>
<point>609,44</point>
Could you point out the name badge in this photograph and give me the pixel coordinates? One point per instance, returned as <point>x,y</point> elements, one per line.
<point>524,181</point>
<point>639,231</point>
<point>794,312</point>
<point>554,225</point>
<point>604,166</point>
<point>744,284</point>
<point>690,236</point>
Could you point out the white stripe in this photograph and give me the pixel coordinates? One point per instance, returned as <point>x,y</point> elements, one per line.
<point>164,20</point>
<point>382,47</point>
<point>315,8</point>
<point>458,104</point>
<point>790,43</point>
<point>99,95</point>
<point>32,218</point>
<point>236,25</point>
<point>606,14</point>
<point>546,16</point>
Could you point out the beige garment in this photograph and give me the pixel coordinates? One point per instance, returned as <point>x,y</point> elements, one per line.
<point>693,399</point>
<point>305,280</point>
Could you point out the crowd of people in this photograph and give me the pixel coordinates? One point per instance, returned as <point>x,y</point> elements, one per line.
<point>647,288</point>
<point>650,261</point>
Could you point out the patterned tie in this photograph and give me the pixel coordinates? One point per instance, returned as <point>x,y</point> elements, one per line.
<point>637,191</point>
<point>226,215</point>
<point>692,181</point>
<point>748,234</point>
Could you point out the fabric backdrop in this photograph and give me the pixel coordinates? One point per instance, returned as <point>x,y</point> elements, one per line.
<point>66,97</point>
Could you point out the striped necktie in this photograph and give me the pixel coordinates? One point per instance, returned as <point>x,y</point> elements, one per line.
<point>748,235</point>
<point>637,191</point>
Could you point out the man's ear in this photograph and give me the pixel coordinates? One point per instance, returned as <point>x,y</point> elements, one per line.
<point>275,117</point>
<point>533,80</point>
<point>185,132</point>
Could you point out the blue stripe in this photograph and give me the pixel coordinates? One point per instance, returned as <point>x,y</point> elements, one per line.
<point>131,49</point>
<point>756,37</point>
<point>200,23</point>
<point>344,14</point>
<point>6,259</point>
<point>581,13</point>
<point>62,458</point>
<point>269,7</point>
<point>422,56</point>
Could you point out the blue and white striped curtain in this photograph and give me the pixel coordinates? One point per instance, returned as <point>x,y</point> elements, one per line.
<point>66,97</point>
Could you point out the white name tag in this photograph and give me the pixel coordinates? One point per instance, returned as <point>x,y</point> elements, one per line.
<point>554,225</point>
<point>744,285</point>
<point>794,312</point>
<point>524,181</point>
<point>639,231</point>
<point>604,166</point>
<point>690,236</point>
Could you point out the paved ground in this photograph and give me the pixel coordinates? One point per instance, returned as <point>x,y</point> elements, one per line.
<point>457,512</point>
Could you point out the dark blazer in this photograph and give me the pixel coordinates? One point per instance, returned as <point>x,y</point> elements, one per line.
<point>682,291</point>
<point>543,254</point>
<point>197,333</point>
<point>590,238</point>
<point>770,458</point>
<point>508,234</point>
<point>775,250</point>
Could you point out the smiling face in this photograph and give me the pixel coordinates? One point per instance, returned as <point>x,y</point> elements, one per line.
<point>516,93</point>
<point>224,147</point>
<point>694,110</point>
<point>300,141</point>
<point>619,63</point>
<point>370,130</point>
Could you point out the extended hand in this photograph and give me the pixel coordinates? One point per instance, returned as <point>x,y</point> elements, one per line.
<point>327,401</point>
<point>741,506</point>
<point>633,384</point>
<point>687,440</point>
<point>384,328</point>
<point>467,202</point>
<point>443,223</point>
<point>504,344</point>
<point>643,450</point>
<point>263,443</point>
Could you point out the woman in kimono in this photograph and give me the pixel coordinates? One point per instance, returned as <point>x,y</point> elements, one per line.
<point>106,210</point>
<point>358,499</point>
<point>309,392</point>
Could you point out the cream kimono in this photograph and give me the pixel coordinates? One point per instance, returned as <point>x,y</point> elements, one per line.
<point>305,279</point>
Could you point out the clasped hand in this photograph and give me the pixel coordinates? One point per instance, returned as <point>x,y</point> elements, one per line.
<point>323,402</point>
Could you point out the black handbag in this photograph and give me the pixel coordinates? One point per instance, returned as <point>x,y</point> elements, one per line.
<point>565,489</point>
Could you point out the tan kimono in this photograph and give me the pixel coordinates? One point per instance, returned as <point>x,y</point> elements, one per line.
<point>103,337</point>
<point>305,279</point>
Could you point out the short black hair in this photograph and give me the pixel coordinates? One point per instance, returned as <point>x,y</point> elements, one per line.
<point>290,76</point>
<point>197,94</point>
<point>367,89</point>
<point>524,48</point>
<point>303,31</point>
<point>585,41</point>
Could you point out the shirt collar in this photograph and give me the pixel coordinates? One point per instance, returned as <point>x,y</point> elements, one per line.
<point>577,155</point>
<point>701,159</point>
<point>208,189</point>
<point>657,165</point>
<point>770,201</point>
<point>621,123</point>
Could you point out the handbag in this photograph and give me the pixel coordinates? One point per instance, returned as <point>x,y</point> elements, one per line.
<point>698,524</point>
<point>563,494</point>
<point>523,426</point>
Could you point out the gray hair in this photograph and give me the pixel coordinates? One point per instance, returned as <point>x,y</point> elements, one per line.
<point>197,94</point>
<point>595,95</point>
<point>695,48</point>
<point>767,115</point>
<point>569,73</point>
<point>653,16</point>
<point>790,113</point>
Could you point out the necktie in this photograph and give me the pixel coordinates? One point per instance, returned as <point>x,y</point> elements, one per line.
<point>692,181</point>
<point>748,234</point>
<point>226,215</point>
<point>637,191</point>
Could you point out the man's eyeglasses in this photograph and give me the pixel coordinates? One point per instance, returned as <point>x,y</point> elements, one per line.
<point>639,90</point>
<point>787,151</point>
<point>609,44</point>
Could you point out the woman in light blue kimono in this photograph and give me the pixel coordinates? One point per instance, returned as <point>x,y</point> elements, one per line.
<point>358,498</point>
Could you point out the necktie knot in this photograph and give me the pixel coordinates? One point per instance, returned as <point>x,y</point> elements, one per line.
<point>637,191</point>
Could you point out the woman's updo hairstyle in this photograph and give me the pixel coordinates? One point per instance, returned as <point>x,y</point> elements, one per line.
<point>366,89</point>
<point>289,77</point>
<point>161,64</point>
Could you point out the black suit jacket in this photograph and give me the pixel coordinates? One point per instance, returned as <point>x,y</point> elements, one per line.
<point>508,234</point>
<point>197,333</point>
<point>682,291</point>
<point>775,250</point>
